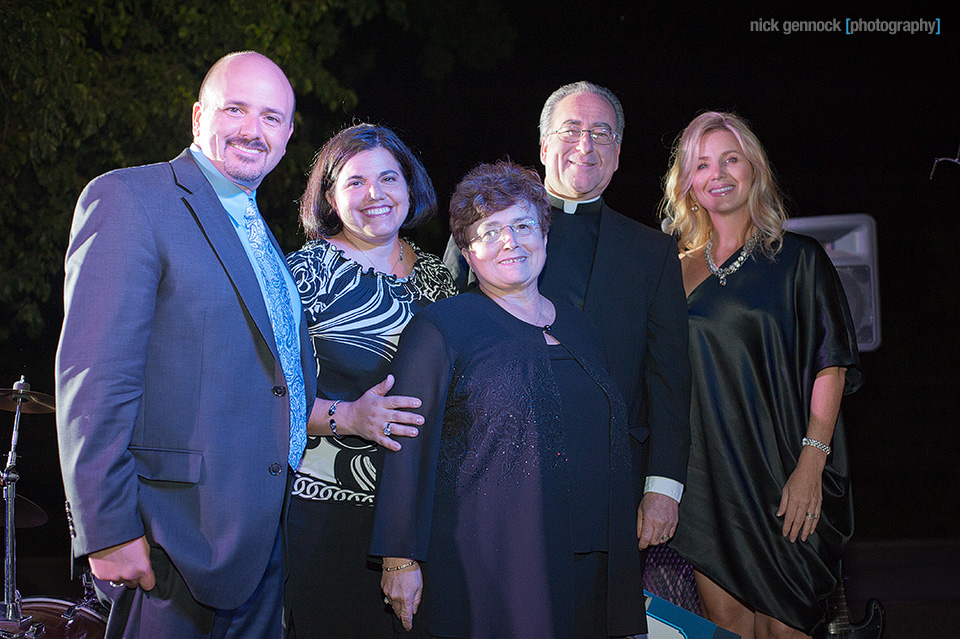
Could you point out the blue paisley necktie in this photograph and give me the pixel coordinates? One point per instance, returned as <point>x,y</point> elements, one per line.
<point>284,327</point>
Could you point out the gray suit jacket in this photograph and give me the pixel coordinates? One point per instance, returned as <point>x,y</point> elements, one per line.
<point>173,417</point>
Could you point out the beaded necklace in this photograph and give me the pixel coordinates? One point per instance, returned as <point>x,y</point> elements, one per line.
<point>723,273</point>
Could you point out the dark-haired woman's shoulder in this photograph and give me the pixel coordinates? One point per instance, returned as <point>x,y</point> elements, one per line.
<point>313,254</point>
<point>433,274</point>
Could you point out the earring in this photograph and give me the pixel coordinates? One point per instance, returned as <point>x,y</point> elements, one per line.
<point>695,206</point>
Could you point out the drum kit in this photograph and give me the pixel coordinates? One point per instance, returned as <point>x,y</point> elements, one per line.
<point>35,617</point>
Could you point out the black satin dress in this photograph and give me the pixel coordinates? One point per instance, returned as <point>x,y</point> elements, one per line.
<point>756,346</point>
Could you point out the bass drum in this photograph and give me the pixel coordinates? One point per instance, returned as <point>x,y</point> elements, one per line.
<point>64,619</point>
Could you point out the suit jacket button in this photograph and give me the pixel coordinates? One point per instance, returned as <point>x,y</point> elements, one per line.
<point>279,391</point>
<point>70,525</point>
<point>275,469</point>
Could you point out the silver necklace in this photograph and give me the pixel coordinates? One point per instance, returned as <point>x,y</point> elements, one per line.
<point>517,312</point>
<point>546,328</point>
<point>399,257</point>
<point>722,273</point>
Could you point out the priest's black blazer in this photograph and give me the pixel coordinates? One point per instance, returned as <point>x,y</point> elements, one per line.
<point>635,296</point>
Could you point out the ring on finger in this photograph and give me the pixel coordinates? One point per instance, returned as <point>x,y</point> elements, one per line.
<point>386,600</point>
<point>387,430</point>
<point>812,515</point>
<point>665,538</point>
<point>117,584</point>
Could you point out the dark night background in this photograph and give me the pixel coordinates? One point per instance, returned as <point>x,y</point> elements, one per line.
<point>852,124</point>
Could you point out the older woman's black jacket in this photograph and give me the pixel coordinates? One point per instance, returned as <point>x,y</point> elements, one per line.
<point>480,497</point>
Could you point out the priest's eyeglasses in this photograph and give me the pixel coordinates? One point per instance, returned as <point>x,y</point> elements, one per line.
<point>572,134</point>
<point>493,234</point>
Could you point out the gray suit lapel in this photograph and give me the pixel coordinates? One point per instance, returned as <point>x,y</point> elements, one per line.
<point>214,222</point>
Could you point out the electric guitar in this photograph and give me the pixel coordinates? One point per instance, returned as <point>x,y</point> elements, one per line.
<point>838,626</point>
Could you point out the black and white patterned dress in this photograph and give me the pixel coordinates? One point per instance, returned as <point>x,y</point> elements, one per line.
<point>355,316</point>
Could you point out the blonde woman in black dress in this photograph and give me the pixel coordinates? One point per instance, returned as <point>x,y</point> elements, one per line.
<point>767,508</point>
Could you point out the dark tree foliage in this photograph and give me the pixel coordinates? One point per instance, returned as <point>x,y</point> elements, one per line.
<point>92,85</point>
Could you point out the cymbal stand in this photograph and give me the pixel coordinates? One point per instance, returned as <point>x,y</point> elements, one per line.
<point>12,612</point>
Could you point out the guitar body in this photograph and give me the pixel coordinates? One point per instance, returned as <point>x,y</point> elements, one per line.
<point>871,627</point>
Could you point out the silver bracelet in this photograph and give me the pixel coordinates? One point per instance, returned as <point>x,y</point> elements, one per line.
<point>816,444</point>
<point>412,562</point>
<point>333,422</point>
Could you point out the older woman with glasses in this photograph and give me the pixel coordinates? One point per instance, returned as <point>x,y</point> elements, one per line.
<point>513,511</point>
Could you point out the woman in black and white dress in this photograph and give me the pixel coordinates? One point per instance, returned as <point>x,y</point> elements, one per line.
<point>360,284</point>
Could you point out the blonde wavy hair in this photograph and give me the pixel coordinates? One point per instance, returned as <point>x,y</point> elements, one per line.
<point>690,222</point>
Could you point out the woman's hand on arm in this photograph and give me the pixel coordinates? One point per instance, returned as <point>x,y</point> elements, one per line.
<point>802,495</point>
<point>402,589</point>
<point>369,415</point>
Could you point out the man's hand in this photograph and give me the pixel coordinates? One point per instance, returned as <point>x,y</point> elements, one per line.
<point>656,519</point>
<point>127,563</point>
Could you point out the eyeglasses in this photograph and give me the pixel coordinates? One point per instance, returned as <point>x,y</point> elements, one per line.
<point>600,135</point>
<point>495,233</point>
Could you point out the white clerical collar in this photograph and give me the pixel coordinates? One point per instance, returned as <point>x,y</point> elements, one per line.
<point>569,206</point>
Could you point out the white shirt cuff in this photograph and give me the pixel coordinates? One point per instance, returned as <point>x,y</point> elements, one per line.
<point>664,486</point>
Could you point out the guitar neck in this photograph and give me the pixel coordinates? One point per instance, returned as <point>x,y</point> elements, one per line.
<point>838,612</point>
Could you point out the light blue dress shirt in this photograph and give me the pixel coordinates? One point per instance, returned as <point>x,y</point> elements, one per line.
<point>234,200</point>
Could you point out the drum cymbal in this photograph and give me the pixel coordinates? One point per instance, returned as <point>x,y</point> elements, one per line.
<point>26,514</point>
<point>30,401</point>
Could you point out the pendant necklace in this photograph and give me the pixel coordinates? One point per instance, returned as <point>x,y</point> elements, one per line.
<point>505,306</point>
<point>399,257</point>
<point>723,273</point>
<point>546,328</point>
